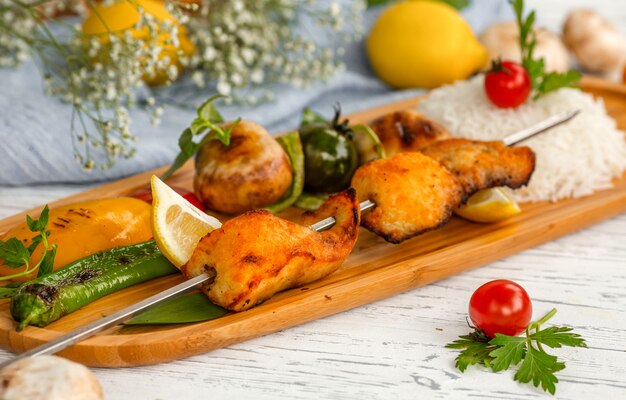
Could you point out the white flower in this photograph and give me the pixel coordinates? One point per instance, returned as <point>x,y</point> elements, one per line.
<point>223,88</point>
<point>198,78</point>
<point>209,54</point>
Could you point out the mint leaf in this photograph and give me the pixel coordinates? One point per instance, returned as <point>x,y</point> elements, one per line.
<point>198,125</point>
<point>556,337</point>
<point>43,219</point>
<point>208,111</point>
<point>14,253</point>
<point>511,350</point>
<point>187,149</point>
<point>32,224</point>
<point>48,261</point>
<point>35,242</point>
<point>208,118</point>
<point>539,367</point>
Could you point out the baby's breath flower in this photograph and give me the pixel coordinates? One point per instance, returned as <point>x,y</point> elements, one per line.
<point>242,47</point>
<point>250,44</point>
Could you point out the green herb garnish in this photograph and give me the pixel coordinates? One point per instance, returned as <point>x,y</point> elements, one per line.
<point>502,352</point>
<point>208,118</point>
<point>15,253</point>
<point>542,82</point>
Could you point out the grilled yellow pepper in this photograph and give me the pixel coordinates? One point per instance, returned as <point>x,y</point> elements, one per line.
<point>85,228</point>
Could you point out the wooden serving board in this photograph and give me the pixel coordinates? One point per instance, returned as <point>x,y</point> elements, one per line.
<point>375,269</point>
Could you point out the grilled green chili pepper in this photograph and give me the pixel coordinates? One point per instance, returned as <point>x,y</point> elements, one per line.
<point>46,299</point>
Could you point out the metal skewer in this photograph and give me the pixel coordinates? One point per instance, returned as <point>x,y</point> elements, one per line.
<point>540,127</point>
<point>129,312</point>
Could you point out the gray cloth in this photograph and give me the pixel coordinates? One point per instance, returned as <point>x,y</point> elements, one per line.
<point>36,144</point>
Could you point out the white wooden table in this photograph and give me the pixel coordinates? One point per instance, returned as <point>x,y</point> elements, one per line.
<point>395,348</point>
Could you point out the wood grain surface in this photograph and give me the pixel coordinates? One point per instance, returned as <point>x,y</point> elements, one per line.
<point>375,270</point>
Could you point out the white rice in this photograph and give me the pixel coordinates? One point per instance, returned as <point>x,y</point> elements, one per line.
<point>573,159</point>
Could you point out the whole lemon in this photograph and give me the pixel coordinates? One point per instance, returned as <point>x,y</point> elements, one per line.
<point>123,15</point>
<point>423,44</point>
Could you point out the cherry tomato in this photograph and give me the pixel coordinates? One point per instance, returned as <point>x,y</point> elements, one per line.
<point>501,306</point>
<point>145,194</point>
<point>507,84</point>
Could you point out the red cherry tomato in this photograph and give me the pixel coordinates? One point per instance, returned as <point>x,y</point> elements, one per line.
<point>501,306</point>
<point>507,84</point>
<point>145,194</point>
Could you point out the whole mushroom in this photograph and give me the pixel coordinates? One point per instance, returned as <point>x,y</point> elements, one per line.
<point>596,43</point>
<point>252,172</point>
<point>48,378</point>
<point>502,41</point>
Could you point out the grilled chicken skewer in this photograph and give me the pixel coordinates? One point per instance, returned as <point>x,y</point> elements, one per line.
<point>322,254</point>
<point>257,254</point>
<point>127,313</point>
<point>418,190</point>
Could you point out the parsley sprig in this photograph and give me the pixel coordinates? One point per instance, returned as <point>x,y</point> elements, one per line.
<point>16,254</point>
<point>542,82</point>
<point>208,118</point>
<point>502,352</point>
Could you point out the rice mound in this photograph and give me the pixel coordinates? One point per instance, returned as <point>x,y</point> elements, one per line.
<point>573,159</point>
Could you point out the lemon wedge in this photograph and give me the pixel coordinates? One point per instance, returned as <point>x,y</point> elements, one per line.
<point>489,205</point>
<point>177,225</point>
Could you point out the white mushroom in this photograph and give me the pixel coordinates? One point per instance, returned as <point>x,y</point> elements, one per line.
<point>596,43</point>
<point>48,378</point>
<point>502,40</point>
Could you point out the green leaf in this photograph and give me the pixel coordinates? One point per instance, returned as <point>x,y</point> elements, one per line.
<point>554,80</point>
<point>192,307</point>
<point>14,253</point>
<point>473,352</point>
<point>43,219</point>
<point>32,224</point>
<point>511,350</point>
<point>518,7</point>
<point>208,118</point>
<point>187,149</point>
<point>556,337</point>
<point>208,111</point>
<point>198,125</point>
<point>542,82</point>
<point>48,261</point>
<point>458,4</point>
<point>293,147</point>
<point>539,367</point>
<point>33,245</point>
